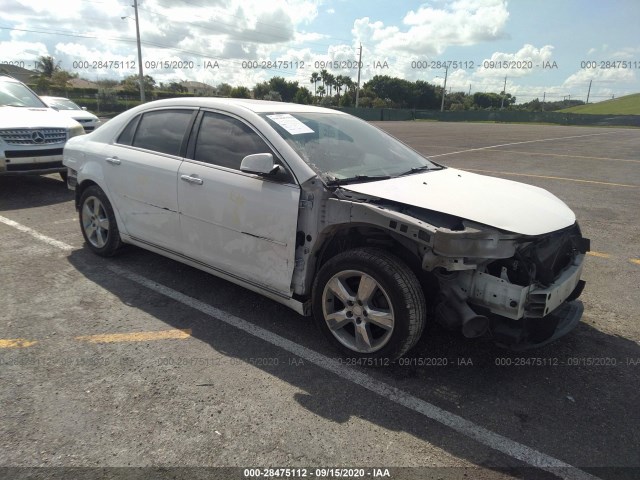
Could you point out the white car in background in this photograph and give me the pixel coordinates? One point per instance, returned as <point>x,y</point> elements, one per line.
<point>80,114</point>
<point>32,135</point>
<point>332,217</point>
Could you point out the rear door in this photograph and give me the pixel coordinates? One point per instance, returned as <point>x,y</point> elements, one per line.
<point>241,224</point>
<point>142,174</point>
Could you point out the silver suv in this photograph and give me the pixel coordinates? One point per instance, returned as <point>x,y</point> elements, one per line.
<point>32,135</point>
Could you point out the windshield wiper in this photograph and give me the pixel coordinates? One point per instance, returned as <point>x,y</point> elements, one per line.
<point>423,168</point>
<point>357,178</point>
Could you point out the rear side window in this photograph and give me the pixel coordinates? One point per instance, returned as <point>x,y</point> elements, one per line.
<point>162,131</point>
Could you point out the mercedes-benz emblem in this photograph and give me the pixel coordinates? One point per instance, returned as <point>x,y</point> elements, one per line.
<point>37,137</point>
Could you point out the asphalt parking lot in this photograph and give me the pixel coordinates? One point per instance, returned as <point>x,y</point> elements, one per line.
<point>141,361</point>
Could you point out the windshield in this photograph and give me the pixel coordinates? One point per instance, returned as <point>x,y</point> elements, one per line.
<point>61,103</point>
<point>342,147</point>
<point>17,95</point>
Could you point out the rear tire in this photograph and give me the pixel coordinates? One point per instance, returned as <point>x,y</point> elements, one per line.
<point>98,222</point>
<point>369,304</point>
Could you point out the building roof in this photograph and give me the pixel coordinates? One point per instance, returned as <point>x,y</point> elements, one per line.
<point>19,73</point>
<point>81,83</point>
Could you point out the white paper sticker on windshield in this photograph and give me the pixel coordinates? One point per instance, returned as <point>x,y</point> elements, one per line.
<point>290,123</point>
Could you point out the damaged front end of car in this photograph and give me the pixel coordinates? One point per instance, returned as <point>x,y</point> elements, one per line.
<point>519,288</point>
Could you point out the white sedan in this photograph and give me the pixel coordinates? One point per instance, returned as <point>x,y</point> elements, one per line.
<point>69,108</point>
<point>328,215</point>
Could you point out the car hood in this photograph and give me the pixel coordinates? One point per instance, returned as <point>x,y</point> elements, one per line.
<point>504,204</point>
<point>78,114</point>
<point>21,117</point>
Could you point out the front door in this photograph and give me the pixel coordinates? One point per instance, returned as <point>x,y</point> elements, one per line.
<point>241,224</point>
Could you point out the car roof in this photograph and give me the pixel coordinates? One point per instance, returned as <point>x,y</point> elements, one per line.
<point>256,106</point>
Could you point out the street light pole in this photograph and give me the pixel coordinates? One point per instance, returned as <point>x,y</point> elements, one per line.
<point>358,86</point>
<point>444,88</point>
<point>140,74</point>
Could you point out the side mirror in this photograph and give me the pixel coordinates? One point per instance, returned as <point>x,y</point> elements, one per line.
<point>259,163</point>
<point>84,108</point>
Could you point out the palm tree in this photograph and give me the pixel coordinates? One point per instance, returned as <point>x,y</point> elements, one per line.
<point>348,84</point>
<point>46,66</point>
<point>323,76</point>
<point>321,91</point>
<point>315,78</point>
<point>339,83</point>
<point>330,81</point>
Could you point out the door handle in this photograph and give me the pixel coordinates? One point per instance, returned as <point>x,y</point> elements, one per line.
<point>113,160</point>
<point>193,180</point>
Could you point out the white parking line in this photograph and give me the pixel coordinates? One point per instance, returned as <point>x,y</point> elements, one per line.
<point>48,240</point>
<point>465,427</point>
<point>520,143</point>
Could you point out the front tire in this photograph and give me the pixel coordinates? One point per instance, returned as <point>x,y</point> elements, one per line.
<point>98,222</point>
<point>369,304</point>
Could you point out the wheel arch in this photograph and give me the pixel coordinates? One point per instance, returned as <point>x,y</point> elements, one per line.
<point>86,183</point>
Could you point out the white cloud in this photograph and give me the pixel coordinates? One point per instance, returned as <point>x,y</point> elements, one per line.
<point>526,61</point>
<point>22,51</point>
<point>432,30</point>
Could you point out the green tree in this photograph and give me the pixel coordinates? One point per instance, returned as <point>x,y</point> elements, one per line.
<point>176,87</point>
<point>339,82</point>
<point>286,89</point>
<point>260,90</point>
<point>330,81</point>
<point>47,66</point>
<point>394,91</point>
<point>273,96</point>
<point>131,85</point>
<point>349,88</point>
<point>240,92</point>
<point>346,101</point>
<point>315,78</point>
<point>224,90</point>
<point>323,77</point>
<point>303,95</point>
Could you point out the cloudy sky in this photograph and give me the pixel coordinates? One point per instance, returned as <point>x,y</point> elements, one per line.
<point>215,41</point>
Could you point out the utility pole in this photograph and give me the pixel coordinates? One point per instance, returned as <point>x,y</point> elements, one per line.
<point>589,92</point>
<point>359,66</point>
<point>544,95</point>
<point>504,91</point>
<point>444,88</point>
<point>469,90</point>
<point>140,74</point>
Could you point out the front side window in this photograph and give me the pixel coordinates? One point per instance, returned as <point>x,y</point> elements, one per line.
<point>225,141</point>
<point>162,130</point>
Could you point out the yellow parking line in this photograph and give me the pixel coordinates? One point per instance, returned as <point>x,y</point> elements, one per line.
<point>599,254</point>
<point>635,260</point>
<point>174,334</point>
<point>16,343</point>
<point>552,178</point>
